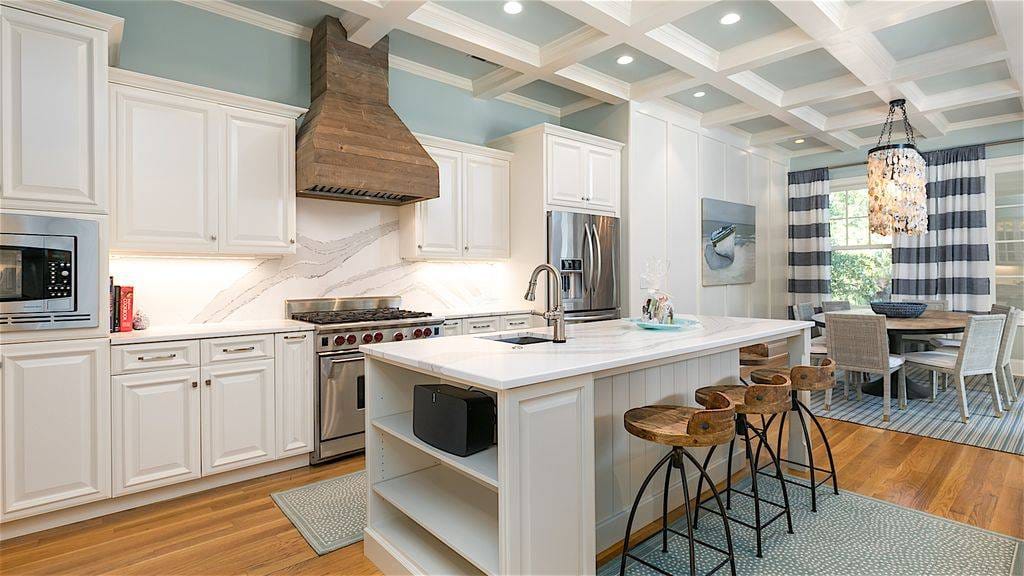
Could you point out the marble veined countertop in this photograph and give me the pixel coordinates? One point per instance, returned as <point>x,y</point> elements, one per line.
<point>591,347</point>
<point>208,330</point>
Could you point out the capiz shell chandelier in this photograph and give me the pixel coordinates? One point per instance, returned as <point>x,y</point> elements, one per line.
<point>897,201</point>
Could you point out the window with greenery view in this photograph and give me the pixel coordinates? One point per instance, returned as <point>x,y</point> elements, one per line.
<point>861,261</point>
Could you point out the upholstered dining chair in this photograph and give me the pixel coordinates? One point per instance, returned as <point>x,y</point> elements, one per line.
<point>819,348</point>
<point>954,342</point>
<point>858,343</point>
<point>1007,383</point>
<point>976,356</point>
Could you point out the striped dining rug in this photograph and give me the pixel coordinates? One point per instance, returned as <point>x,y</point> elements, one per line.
<point>939,419</point>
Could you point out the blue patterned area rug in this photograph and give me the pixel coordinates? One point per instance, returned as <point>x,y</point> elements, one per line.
<point>329,514</point>
<point>939,419</point>
<point>849,535</point>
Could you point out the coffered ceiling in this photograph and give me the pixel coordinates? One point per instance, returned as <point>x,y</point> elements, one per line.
<point>821,71</point>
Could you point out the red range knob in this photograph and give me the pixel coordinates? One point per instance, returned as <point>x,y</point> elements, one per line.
<point>351,339</point>
<point>367,338</point>
<point>339,340</point>
<point>399,336</point>
<point>378,336</point>
<point>417,333</point>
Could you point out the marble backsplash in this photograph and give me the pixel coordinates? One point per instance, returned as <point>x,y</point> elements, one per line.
<point>343,249</point>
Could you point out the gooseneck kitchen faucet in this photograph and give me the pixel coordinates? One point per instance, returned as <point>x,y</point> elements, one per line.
<point>558,312</point>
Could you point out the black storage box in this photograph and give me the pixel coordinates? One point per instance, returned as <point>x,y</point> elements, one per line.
<point>453,419</point>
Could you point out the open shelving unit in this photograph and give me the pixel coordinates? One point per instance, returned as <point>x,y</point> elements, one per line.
<point>431,555</point>
<point>482,466</point>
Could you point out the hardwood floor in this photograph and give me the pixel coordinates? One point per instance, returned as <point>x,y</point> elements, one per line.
<point>239,530</point>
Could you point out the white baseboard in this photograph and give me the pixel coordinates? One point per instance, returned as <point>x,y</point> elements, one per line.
<point>57,518</point>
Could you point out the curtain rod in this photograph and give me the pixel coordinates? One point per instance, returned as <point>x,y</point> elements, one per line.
<point>996,143</point>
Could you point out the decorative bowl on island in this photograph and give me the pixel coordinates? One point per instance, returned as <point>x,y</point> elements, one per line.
<point>675,324</point>
<point>898,309</point>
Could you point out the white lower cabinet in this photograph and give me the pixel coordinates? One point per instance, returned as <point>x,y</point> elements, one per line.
<point>293,381</point>
<point>480,325</point>
<point>156,429</point>
<point>238,415</point>
<point>56,425</point>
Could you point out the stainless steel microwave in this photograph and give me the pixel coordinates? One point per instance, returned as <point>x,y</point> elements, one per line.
<point>49,272</point>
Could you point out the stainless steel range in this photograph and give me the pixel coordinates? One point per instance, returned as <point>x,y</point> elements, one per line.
<point>342,325</point>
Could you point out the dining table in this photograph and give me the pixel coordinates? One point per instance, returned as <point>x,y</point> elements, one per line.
<point>929,322</point>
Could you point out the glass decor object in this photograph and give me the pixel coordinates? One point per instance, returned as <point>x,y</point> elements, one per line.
<point>896,181</point>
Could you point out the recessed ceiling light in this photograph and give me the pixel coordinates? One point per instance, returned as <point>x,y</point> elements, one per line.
<point>625,59</point>
<point>698,94</point>
<point>798,141</point>
<point>512,7</point>
<point>730,18</point>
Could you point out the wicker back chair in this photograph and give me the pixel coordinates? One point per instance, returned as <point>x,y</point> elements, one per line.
<point>977,355</point>
<point>1000,309</point>
<point>1003,371</point>
<point>835,305</point>
<point>859,344</point>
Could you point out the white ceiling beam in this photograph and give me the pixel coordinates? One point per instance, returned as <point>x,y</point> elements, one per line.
<point>989,121</point>
<point>664,84</point>
<point>758,85</point>
<point>765,50</point>
<point>814,119</point>
<point>824,91</point>
<point>730,115</point>
<point>979,94</point>
<point>857,119</point>
<point>877,14</point>
<point>776,135</point>
<point>808,151</point>
<point>439,24</point>
<point>579,106</point>
<point>599,85</point>
<point>975,53</point>
<point>498,82</point>
<point>391,14</point>
<point>1008,17</point>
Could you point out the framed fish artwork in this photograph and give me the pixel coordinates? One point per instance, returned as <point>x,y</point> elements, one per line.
<point>728,243</point>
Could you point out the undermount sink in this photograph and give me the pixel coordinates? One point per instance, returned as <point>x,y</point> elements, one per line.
<point>521,340</point>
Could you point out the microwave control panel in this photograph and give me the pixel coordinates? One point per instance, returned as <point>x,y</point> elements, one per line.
<point>59,276</point>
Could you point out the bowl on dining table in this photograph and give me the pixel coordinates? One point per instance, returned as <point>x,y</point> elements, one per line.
<point>898,309</point>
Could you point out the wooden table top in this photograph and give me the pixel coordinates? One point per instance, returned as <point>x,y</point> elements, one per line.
<point>931,322</point>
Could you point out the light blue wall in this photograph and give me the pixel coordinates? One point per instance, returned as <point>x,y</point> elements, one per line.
<point>179,42</point>
<point>960,138</point>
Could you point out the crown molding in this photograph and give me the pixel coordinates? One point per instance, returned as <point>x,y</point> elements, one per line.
<point>253,17</point>
<point>124,77</point>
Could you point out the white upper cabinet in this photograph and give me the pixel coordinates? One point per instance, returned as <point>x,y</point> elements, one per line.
<point>486,207</point>
<point>565,178</point>
<point>166,171</point>
<point>577,172</point>
<point>439,220</point>
<point>259,198</point>
<point>53,101</point>
<point>55,425</point>
<point>470,218</point>
<point>200,171</point>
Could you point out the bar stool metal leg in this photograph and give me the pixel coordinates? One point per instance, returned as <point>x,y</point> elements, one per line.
<point>689,519</point>
<point>810,456</point>
<point>721,510</point>
<point>824,439</point>
<point>632,511</point>
<point>762,441</point>
<point>753,485</point>
<point>664,510</point>
<point>700,482</point>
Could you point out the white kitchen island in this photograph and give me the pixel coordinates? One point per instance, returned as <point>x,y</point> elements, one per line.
<point>557,487</point>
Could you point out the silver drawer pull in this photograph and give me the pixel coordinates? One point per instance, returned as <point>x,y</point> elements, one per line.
<point>246,349</point>
<point>151,358</point>
<point>479,326</point>
<point>299,337</point>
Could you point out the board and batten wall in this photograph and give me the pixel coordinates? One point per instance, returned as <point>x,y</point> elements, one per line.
<point>674,164</point>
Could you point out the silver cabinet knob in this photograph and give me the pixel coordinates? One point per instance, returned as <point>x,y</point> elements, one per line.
<point>213,236</point>
<point>292,241</point>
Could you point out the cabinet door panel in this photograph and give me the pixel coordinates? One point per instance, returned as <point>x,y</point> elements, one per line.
<point>294,380</point>
<point>238,415</point>
<point>258,214</point>
<point>565,181</point>
<point>56,425</point>
<point>602,179</point>
<point>156,429</point>
<point>440,226</point>
<point>54,104</point>
<point>167,180</point>
<point>486,207</point>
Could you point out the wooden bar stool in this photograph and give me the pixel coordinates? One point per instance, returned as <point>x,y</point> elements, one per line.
<point>681,427</point>
<point>764,399</point>
<point>804,379</point>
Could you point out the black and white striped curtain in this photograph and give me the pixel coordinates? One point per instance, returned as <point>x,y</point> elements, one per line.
<point>951,261</point>
<point>810,250</point>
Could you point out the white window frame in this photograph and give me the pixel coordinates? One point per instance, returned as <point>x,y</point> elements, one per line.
<point>843,185</point>
<point>995,166</point>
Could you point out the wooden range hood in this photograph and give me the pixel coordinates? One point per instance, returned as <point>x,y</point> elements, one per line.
<point>352,146</point>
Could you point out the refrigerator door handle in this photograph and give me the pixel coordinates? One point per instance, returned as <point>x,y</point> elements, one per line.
<point>590,251</point>
<point>599,261</point>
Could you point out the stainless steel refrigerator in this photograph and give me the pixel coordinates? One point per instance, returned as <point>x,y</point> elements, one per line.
<point>585,248</point>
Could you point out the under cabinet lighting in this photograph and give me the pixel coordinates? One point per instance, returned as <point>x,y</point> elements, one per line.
<point>730,18</point>
<point>625,59</point>
<point>512,7</point>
